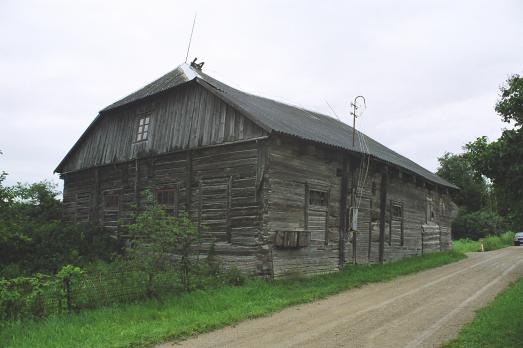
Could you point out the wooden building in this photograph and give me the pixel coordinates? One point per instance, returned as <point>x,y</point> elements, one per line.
<point>280,189</point>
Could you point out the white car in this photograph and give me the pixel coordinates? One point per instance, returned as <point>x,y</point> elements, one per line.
<point>518,238</point>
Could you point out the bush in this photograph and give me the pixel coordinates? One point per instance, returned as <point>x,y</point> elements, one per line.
<point>477,224</point>
<point>498,242</point>
<point>26,296</point>
<point>33,239</point>
<point>161,242</point>
<point>51,245</point>
<point>489,243</point>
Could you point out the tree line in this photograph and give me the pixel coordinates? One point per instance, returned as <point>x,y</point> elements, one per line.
<point>490,173</point>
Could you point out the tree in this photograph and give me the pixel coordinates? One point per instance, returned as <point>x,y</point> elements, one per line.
<point>34,239</point>
<point>160,242</point>
<point>502,160</point>
<point>474,193</point>
<point>510,104</point>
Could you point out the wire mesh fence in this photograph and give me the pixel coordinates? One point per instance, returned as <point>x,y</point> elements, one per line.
<point>43,295</point>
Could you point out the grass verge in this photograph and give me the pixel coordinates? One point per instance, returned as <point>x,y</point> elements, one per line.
<point>489,243</point>
<point>497,325</point>
<point>143,324</point>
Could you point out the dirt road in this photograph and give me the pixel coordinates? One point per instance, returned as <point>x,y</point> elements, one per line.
<point>420,310</point>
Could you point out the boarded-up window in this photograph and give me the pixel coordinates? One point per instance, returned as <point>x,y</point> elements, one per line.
<point>396,223</point>
<point>111,214</point>
<point>316,213</point>
<point>143,128</point>
<point>83,207</point>
<point>215,206</point>
<point>111,201</point>
<point>166,198</point>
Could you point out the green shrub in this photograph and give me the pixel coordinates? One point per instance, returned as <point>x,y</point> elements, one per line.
<point>161,242</point>
<point>477,224</point>
<point>34,240</point>
<point>489,243</point>
<point>498,242</point>
<point>26,296</point>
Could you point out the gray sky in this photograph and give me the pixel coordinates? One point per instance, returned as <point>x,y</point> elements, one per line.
<point>430,70</point>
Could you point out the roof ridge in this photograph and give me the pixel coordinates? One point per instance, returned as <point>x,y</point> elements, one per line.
<point>275,115</point>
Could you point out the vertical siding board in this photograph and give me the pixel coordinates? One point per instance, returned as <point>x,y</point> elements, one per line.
<point>221,125</point>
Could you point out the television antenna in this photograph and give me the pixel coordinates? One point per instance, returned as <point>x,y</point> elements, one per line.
<point>190,38</point>
<point>354,114</point>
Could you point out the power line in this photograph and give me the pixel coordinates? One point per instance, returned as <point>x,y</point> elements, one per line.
<point>332,109</point>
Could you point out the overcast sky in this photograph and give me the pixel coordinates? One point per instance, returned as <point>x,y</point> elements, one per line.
<point>430,70</point>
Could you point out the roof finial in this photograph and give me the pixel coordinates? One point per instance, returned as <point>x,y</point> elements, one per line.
<point>195,65</point>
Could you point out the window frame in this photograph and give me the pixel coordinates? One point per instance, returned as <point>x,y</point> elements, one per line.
<point>324,194</point>
<point>430,215</point>
<point>400,218</point>
<point>142,128</point>
<point>397,205</point>
<point>325,189</point>
<point>113,195</point>
<point>169,206</point>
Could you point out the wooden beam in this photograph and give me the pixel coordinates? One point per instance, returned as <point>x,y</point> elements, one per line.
<point>354,163</point>
<point>188,184</point>
<point>383,207</point>
<point>96,198</point>
<point>344,191</point>
<point>229,205</point>
<point>136,184</point>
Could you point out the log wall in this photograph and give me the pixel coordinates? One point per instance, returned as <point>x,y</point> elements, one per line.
<point>244,195</point>
<point>217,186</point>
<point>294,171</point>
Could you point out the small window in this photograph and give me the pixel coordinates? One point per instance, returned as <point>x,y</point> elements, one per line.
<point>111,201</point>
<point>143,128</point>
<point>430,211</point>
<point>318,198</point>
<point>397,211</point>
<point>167,199</point>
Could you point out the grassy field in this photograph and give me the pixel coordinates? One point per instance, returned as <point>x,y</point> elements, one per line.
<point>152,322</point>
<point>500,324</point>
<point>489,243</point>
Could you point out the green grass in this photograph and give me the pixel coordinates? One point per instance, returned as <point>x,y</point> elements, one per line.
<point>499,324</point>
<point>489,243</point>
<point>153,322</point>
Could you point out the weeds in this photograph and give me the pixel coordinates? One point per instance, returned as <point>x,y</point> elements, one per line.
<point>489,243</point>
<point>146,323</point>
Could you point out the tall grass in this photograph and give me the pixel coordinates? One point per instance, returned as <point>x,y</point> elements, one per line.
<point>489,243</point>
<point>151,322</point>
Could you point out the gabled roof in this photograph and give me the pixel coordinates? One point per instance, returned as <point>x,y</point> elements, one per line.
<point>274,116</point>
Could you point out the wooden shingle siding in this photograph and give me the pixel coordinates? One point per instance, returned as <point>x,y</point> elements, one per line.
<point>186,118</point>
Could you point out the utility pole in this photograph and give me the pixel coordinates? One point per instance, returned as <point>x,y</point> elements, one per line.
<point>355,108</point>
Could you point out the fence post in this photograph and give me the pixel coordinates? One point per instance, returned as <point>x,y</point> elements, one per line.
<point>67,288</point>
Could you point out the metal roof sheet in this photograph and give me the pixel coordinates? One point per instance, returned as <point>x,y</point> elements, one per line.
<point>283,118</point>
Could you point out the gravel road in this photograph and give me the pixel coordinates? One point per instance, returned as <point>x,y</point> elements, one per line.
<point>419,310</point>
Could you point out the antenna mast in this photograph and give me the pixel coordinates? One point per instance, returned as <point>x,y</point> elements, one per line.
<point>190,38</point>
<point>354,115</point>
